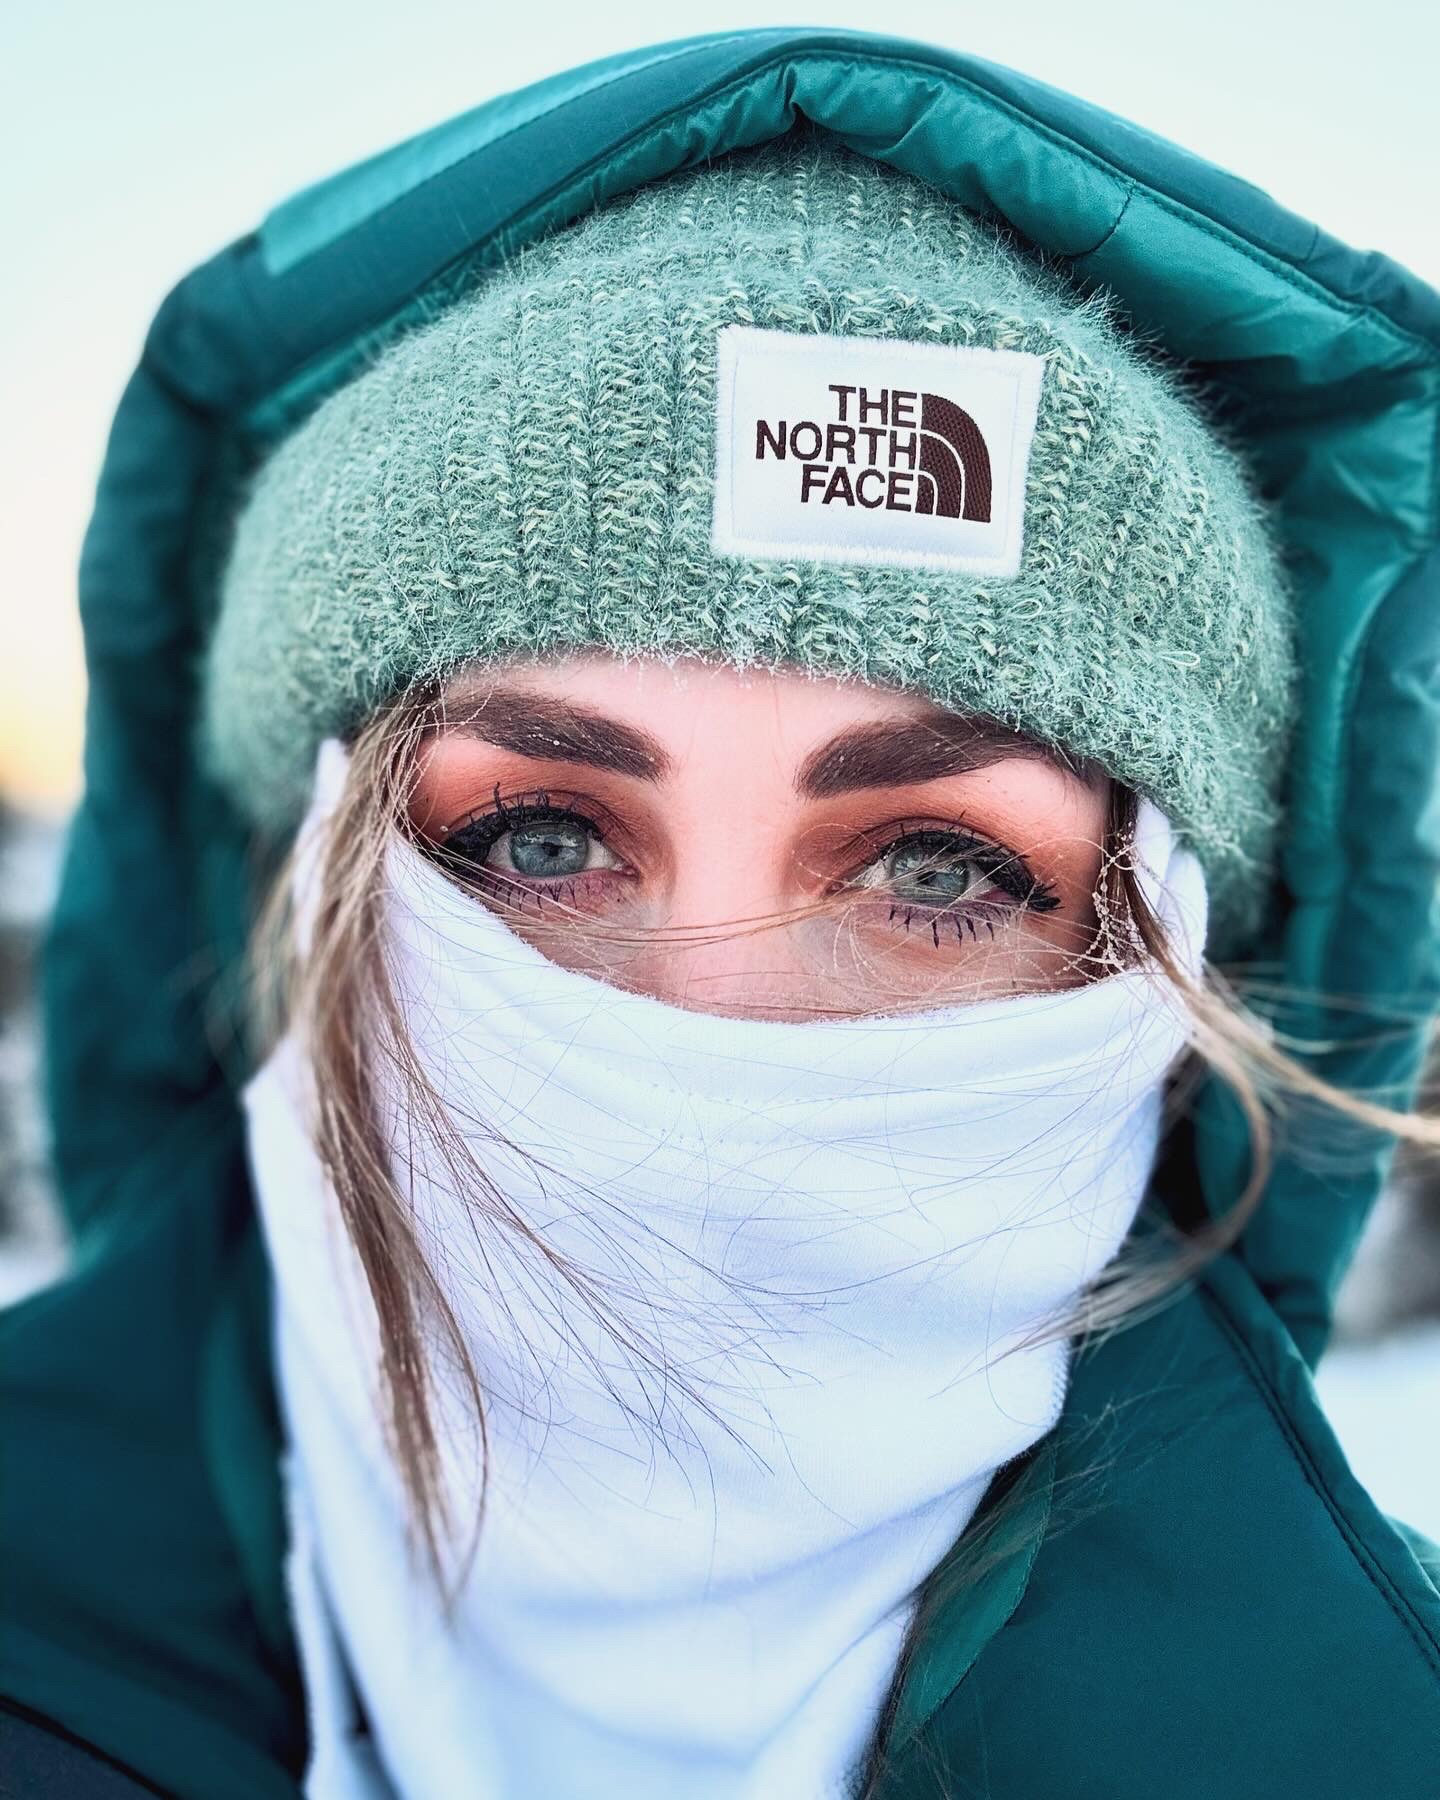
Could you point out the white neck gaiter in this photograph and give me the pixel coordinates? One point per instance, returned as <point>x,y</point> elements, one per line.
<point>721,1467</point>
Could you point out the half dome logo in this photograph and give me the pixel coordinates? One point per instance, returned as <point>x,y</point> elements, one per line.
<point>872,450</point>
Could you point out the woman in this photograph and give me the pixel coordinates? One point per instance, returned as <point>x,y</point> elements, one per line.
<point>785,685</point>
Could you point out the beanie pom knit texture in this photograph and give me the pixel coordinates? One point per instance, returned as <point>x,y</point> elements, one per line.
<point>532,471</point>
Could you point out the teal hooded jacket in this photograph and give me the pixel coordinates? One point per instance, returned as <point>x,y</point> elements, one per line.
<point>1203,1599</point>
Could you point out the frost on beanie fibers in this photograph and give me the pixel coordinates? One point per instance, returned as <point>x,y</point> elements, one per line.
<point>606,443</point>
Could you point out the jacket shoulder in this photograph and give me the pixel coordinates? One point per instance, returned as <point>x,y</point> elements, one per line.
<point>1218,1606</point>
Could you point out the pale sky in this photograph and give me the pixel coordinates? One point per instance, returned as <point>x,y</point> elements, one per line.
<point>140,138</point>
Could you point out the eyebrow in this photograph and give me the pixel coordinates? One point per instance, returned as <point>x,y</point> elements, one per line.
<point>886,754</point>
<point>880,753</point>
<point>558,731</point>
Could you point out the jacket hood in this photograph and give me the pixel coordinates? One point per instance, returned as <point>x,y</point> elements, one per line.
<point>1323,361</point>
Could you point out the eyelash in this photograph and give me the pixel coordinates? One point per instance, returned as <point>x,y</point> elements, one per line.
<point>508,815</point>
<point>1006,868</point>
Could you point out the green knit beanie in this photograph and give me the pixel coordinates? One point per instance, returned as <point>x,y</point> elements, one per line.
<point>795,407</point>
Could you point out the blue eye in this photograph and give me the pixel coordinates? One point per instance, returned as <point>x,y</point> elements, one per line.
<point>559,846</point>
<point>949,877</point>
<point>932,869</point>
<point>940,866</point>
<point>537,841</point>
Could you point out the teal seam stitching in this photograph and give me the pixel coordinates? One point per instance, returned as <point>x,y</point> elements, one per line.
<point>1095,249</point>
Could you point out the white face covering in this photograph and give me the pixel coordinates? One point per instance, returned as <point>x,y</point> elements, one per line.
<point>723,1464</point>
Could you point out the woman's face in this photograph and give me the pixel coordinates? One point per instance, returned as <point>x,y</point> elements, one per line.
<point>618,814</point>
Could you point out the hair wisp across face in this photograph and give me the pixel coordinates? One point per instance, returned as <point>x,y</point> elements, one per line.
<point>777,846</point>
<point>710,1272</point>
<point>780,849</point>
<point>762,843</point>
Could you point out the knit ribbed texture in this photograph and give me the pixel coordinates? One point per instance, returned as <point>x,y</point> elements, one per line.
<point>533,471</point>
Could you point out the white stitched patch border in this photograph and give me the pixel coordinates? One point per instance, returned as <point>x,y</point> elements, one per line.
<point>872,450</point>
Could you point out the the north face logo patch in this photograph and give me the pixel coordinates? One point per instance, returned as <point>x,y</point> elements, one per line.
<point>904,451</point>
<point>872,450</point>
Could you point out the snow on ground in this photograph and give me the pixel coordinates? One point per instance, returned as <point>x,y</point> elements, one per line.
<point>1383,1400</point>
<point>32,1244</point>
